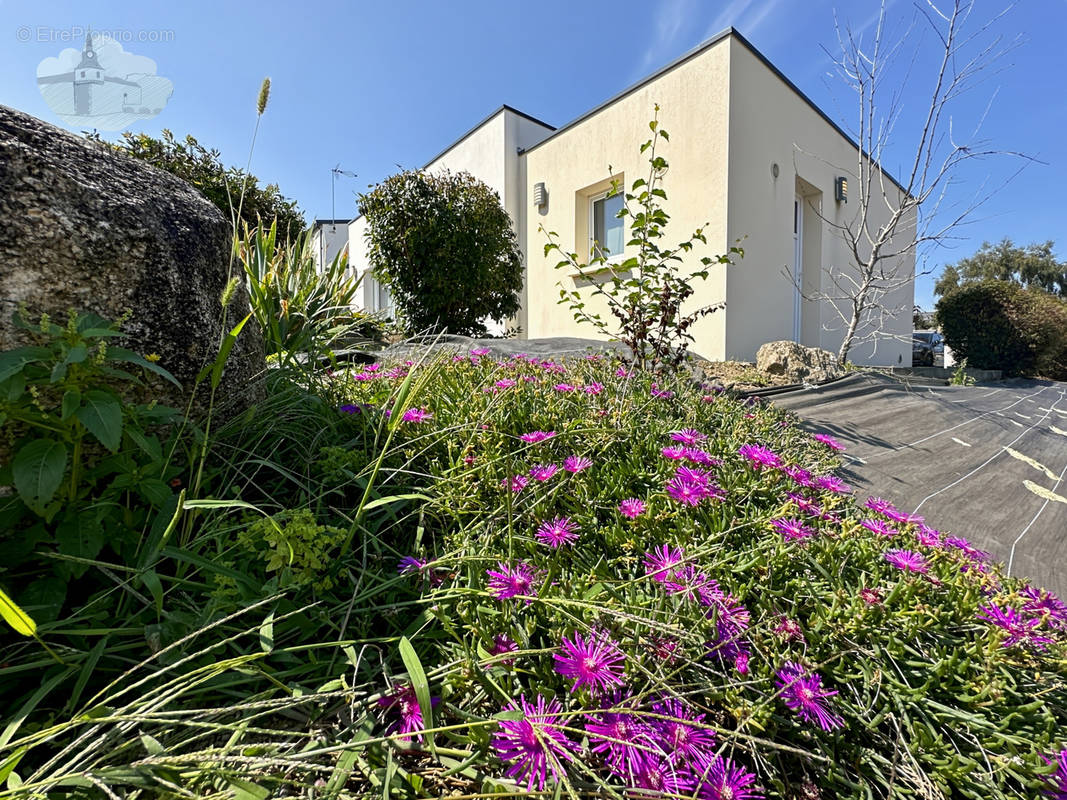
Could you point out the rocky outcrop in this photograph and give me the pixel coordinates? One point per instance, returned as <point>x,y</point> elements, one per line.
<point>85,227</point>
<point>799,364</point>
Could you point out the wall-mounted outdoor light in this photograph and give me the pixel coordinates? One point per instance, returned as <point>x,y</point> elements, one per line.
<point>540,195</point>
<point>841,189</point>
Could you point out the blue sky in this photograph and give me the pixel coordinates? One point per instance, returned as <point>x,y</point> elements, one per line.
<point>376,85</point>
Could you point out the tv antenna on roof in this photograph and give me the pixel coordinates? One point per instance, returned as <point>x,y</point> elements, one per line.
<point>335,172</point>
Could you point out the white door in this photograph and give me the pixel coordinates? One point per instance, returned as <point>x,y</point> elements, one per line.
<point>798,264</point>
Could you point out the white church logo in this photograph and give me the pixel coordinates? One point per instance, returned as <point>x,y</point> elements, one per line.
<point>102,86</point>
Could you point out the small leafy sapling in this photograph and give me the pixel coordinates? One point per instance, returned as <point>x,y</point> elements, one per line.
<point>646,292</point>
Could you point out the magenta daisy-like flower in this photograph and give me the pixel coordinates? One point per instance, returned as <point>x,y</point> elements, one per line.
<point>404,703</point>
<point>661,394</point>
<point>662,778</point>
<point>967,548</point>
<point>803,692</point>
<point>928,537</point>
<point>722,779</point>
<point>1046,606</point>
<point>659,561</point>
<point>832,483</point>
<point>789,629</point>
<point>632,507</point>
<point>871,597</point>
<point>692,492</point>
<point>624,739</point>
<point>673,453</point>
<point>563,387</point>
<point>557,531</point>
<point>808,506</point>
<point>534,746</point>
<point>577,463</point>
<point>689,583</point>
<point>682,729</point>
<point>879,506</point>
<point>829,441</point>
<point>903,517</point>
<point>1057,781</point>
<point>694,455</point>
<point>542,472</point>
<point>622,372</point>
<point>1020,630</point>
<point>416,415</point>
<point>760,457</point>
<point>505,383</point>
<point>792,530</point>
<point>594,388</point>
<point>506,582</point>
<point>799,476</point>
<point>516,483</point>
<point>688,436</point>
<point>907,560</point>
<point>502,643</point>
<point>480,351</point>
<point>879,527</point>
<point>534,437</point>
<point>592,661</point>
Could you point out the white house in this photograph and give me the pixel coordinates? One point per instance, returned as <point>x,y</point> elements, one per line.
<point>328,238</point>
<point>752,159</point>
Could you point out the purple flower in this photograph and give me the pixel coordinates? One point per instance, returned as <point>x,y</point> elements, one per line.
<point>832,483</point>
<point>622,372</point>
<point>577,463</point>
<point>556,532</point>
<point>928,537</point>
<point>662,394</point>
<point>505,383</point>
<point>690,492</point>
<point>879,527</point>
<point>502,643</point>
<point>594,388</point>
<point>416,415</point>
<point>533,437</point>
<point>871,597</point>
<point>516,483</point>
<point>673,453</point>
<point>1057,781</point>
<point>563,387</point>
<point>799,476</point>
<point>760,457</point>
<point>592,661</point>
<point>967,548</point>
<point>902,517</point>
<point>879,506</point>
<point>792,529</point>
<point>534,745</point>
<point>1045,605</point>
<point>907,560</point>
<point>409,565</point>
<point>632,507</point>
<point>663,778</point>
<point>542,472</point>
<point>688,582</point>
<point>683,729</point>
<point>695,455</point>
<point>372,367</point>
<point>789,629</point>
<point>725,780</point>
<point>349,408</point>
<point>624,739</point>
<point>829,441</point>
<point>806,505</point>
<point>506,582</point>
<point>803,693</point>
<point>405,703</point>
<point>480,351</point>
<point>1019,629</point>
<point>688,436</point>
<point>661,560</point>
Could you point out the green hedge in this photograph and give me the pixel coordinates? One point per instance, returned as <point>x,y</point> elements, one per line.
<point>1001,325</point>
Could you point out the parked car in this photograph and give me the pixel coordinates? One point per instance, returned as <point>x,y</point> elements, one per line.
<point>926,346</point>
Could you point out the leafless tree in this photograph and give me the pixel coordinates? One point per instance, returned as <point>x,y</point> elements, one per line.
<point>894,219</point>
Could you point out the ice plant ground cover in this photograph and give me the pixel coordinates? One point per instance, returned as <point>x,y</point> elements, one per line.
<point>451,578</point>
<point>704,610</point>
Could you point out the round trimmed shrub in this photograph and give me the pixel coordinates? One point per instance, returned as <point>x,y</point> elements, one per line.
<point>446,248</point>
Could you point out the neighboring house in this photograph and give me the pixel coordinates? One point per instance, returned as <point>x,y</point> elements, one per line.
<point>751,159</point>
<point>329,237</point>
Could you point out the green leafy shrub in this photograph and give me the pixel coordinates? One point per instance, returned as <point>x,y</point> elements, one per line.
<point>446,248</point>
<point>87,451</point>
<point>1000,325</point>
<point>301,309</point>
<point>646,292</point>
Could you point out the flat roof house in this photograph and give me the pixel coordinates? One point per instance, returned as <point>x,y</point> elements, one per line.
<point>751,159</point>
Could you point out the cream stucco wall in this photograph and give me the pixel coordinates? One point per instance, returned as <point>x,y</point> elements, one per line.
<point>574,163</point>
<point>771,124</point>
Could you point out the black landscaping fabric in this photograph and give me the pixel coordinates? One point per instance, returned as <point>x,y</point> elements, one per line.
<point>985,462</point>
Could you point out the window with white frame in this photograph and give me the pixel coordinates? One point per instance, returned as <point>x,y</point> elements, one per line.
<point>607,231</point>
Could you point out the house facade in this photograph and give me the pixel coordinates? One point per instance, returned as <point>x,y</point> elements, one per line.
<point>752,162</point>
